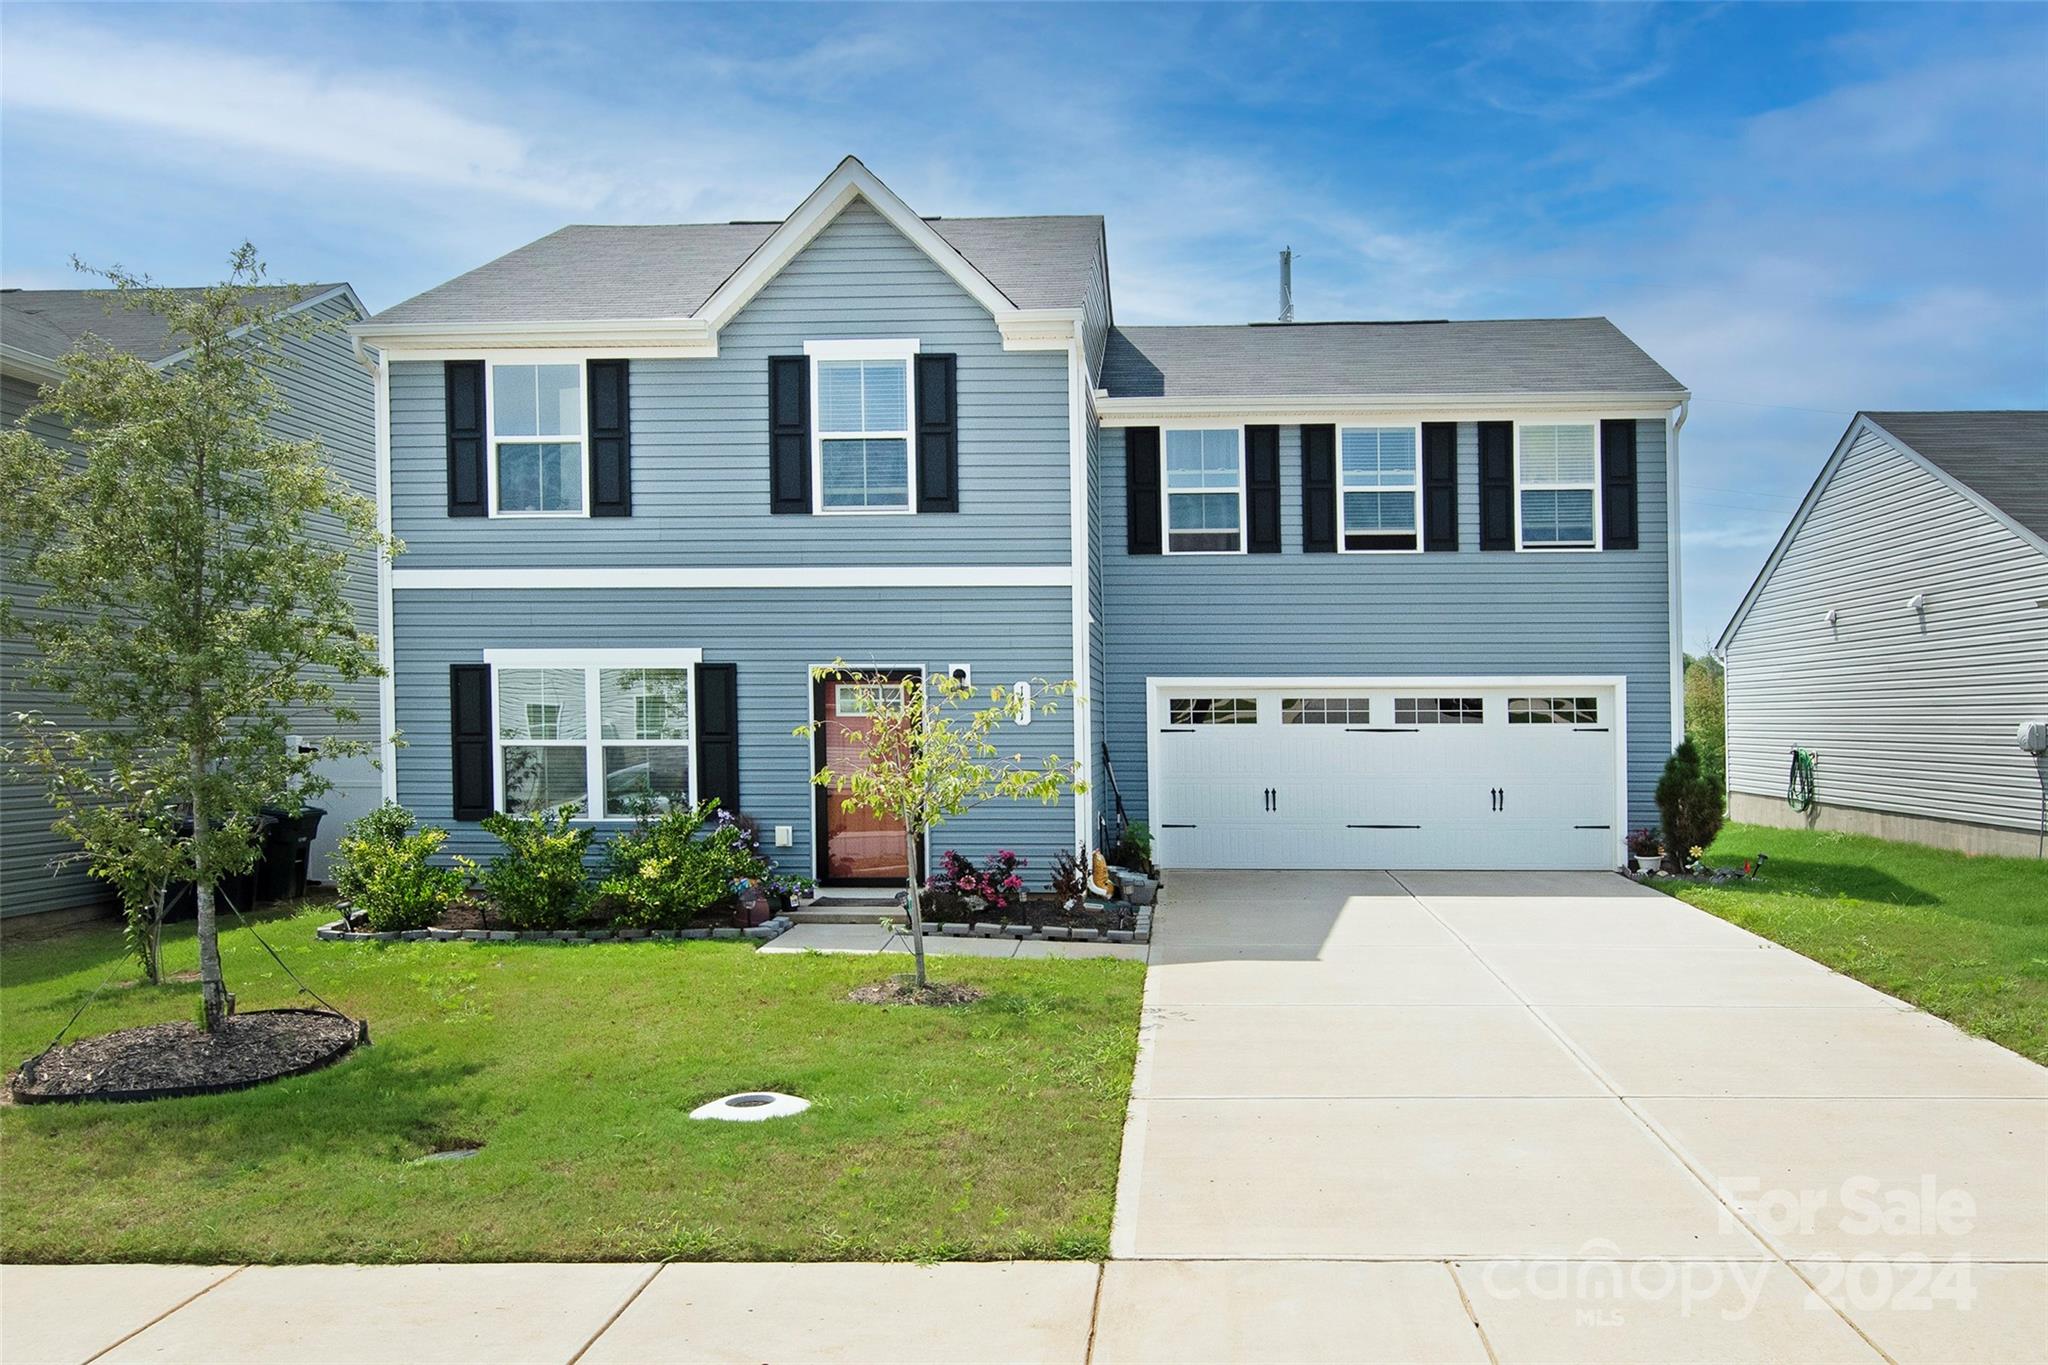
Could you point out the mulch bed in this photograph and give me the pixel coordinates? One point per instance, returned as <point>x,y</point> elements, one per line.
<point>903,990</point>
<point>1038,912</point>
<point>164,1060</point>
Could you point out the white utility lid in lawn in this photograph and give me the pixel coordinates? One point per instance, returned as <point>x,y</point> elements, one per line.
<point>751,1107</point>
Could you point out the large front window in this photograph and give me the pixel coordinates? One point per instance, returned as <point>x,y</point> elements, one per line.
<point>551,752</point>
<point>1204,492</point>
<point>1382,488</point>
<point>537,439</point>
<point>863,417</point>
<point>1557,470</point>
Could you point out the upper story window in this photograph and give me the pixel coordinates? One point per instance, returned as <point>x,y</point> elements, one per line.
<point>1204,491</point>
<point>862,400</point>
<point>1557,473</point>
<point>537,439</point>
<point>1381,502</point>
<point>550,751</point>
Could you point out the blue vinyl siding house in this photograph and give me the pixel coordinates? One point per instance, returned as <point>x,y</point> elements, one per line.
<point>327,396</point>
<point>648,479</point>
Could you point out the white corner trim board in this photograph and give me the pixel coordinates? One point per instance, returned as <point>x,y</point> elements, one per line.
<point>743,579</point>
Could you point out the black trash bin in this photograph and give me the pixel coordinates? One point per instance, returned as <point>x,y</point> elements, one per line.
<point>282,866</point>
<point>180,900</point>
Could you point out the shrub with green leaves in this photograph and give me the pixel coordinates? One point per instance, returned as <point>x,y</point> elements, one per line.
<point>676,864</point>
<point>385,870</point>
<point>1690,800</point>
<point>539,881</point>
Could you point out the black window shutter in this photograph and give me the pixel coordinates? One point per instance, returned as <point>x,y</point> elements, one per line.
<point>467,485</point>
<point>611,438</point>
<point>1439,485</point>
<point>1496,485</point>
<point>938,434</point>
<point>789,433</point>
<point>718,735</point>
<point>469,737</point>
<point>1141,490</point>
<point>1319,489</point>
<point>1262,489</point>
<point>1618,485</point>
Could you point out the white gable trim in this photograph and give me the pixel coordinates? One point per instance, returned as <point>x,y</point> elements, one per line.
<point>1023,329</point>
<point>1862,424</point>
<point>849,181</point>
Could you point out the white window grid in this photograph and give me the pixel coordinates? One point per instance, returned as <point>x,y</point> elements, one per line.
<point>1590,486</point>
<point>594,742</point>
<point>1413,489</point>
<point>1326,710</point>
<point>492,440</point>
<point>1439,710</point>
<point>902,350</point>
<point>1167,491</point>
<point>1212,711</point>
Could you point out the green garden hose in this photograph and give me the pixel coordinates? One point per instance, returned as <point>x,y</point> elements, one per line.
<point>1799,786</point>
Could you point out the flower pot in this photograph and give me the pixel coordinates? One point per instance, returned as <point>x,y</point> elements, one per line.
<point>1649,863</point>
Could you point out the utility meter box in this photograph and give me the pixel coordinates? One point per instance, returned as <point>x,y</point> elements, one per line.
<point>2034,736</point>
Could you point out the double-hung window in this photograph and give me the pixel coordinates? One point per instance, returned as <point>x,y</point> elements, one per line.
<point>604,732</point>
<point>1557,476</point>
<point>538,450</point>
<point>1204,491</point>
<point>1381,502</point>
<point>862,401</point>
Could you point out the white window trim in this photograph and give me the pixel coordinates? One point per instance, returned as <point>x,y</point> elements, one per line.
<point>591,662</point>
<point>904,349</point>
<point>1244,531</point>
<point>1365,424</point>
<point>491,364</point>
<point>1599,476</point>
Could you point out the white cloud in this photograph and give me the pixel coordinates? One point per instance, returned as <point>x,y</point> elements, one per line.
<point>288,109</point>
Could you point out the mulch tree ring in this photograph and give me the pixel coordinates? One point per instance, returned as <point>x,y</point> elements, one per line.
<point>904,990</point>
<point>160,1061</point>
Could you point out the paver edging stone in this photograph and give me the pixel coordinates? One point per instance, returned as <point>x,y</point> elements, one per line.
<point>338,931</point>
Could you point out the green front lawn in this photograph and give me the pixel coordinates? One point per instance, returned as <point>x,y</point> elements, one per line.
<point>1962,937</point>
<point>989,1131</point>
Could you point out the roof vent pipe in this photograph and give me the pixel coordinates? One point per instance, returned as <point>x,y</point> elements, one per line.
<point>1286,284</point>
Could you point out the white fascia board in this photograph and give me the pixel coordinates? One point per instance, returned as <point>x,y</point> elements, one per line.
<point>1040,329</point>
<point>1126,412</point>
<point>38,369</point>
<point>340,291</point>
<point>631,338</point>
<point>808,577</point>
<point>848,181</point>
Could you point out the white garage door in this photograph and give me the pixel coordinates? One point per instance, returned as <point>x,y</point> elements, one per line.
<point>1385,775</point>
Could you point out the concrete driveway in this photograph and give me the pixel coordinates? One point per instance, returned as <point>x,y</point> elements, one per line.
<point>1555,1117</point>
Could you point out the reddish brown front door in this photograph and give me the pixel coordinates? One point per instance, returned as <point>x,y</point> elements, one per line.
<point>855,847</point>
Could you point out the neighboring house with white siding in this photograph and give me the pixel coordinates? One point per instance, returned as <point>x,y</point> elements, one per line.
<point>1899,632</point>
<point>327,395</point>
<point>1356,595</point>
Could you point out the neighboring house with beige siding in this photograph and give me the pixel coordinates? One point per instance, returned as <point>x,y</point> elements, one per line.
<point>1899,632</point>
<point>327,396</point>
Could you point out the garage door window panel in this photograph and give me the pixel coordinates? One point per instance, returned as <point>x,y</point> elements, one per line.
<point>1204,491</point>
<point>1326,711</point>
<point>1553,710</point>
<point>1381,502</point>
<point>1212,710</point>
<point>1439,710</point>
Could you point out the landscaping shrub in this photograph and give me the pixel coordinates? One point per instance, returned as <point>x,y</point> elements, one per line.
<point>1070,878</point>
<point>385,870</point>
<point>1690,801</point>
<point>539,882</point>
<point>995,882</point>
<point>677,863</point>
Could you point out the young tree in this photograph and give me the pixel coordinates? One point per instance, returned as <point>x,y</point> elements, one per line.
<point>191,613</point>
<point>1706,714</point>
<point>930,755</point>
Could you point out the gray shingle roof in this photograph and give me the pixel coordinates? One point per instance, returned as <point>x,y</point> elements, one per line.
<point>586,272</point>
<point>2001,456</point>
<point>49,322</point>
<point>1531,355</point>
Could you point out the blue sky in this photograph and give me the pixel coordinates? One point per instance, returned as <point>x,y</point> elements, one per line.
<point>1801,211</point>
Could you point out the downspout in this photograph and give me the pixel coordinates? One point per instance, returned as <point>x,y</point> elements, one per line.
<point>1671,529</point>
